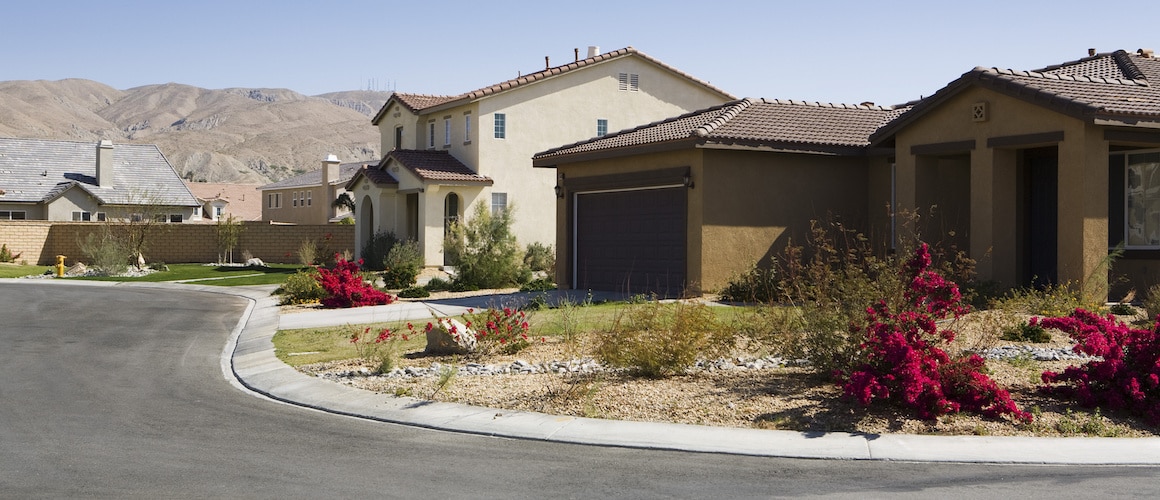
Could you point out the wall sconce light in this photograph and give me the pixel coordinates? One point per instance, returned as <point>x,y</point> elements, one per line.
<point>559,186</point>
<point>689,181</point>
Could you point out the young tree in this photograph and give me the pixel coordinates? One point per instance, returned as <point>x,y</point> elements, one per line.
<point>229,231</point>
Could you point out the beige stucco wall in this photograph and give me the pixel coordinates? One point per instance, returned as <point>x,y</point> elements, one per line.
<point>31,212</point>
<point>1083,184</point>
<point>320,210</point>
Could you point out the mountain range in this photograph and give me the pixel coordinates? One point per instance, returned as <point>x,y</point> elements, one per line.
<point>234,135</point>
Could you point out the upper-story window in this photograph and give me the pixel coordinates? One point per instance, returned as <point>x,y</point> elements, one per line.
<point>500,125</point>
<point>431,134</point>
<point>294,199</point>
<point>498,203</point>
<point>398,137</point>
<point>629,82</point>
<point>274,200</point>
<point>467,127</point>
<point>601,127</point>
<point>446,130</point>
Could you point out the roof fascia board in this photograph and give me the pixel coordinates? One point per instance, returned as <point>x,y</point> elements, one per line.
<point>817,149</point>
<point>1132,136</point>
<point>604,154</point>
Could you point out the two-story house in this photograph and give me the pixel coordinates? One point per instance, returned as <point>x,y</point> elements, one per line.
<point>85,181</point>
<point>311,198</point>
<point>442,154</point>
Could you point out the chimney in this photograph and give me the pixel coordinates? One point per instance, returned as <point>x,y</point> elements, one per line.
<point>576,53</point>
<point>329,176</point>
<point>547,65</point>
<point>593,51</point>
<point>105,163</point>
<point>1091,52</point>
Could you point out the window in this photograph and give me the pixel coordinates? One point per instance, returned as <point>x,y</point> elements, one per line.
<point>175,218</point>
<point>274,200</point>
<point>309,198</point>
<point>82,216</point>
<point>450,211</point>
<point>498,203</point>
<point>218,212</point>
<point>629,82</point>
<point>467,128</point>
<point>447,131</point>
<point>500,125</point>
<point>196,212</point>
<point>294,199</point>
<point>431,134</point>
<point>1142,201</point>
<point>136,217</point>
<point>398,137</point>
<point>101,217</point>
<point>13,215</point>
<point>601,127</point>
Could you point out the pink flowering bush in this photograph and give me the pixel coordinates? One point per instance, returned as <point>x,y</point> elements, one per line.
<point>380,350</point>
<point>345,287</point>
<point>505,330</point>
<point>1128,377</point>
<point>903,360</point>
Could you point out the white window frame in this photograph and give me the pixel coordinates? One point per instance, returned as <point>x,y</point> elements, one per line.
<point>499,201</point>
<point>310,198</point>
<point>431,134</point>
<point>11,215</point>
<point>467,127</point>
<point>294,199</point>
<point>1142,241</point>
<point>447,131</point>
<point>175,219</point>
<point>500,120</point>
<point>601,127</point>
<point>82,216</point>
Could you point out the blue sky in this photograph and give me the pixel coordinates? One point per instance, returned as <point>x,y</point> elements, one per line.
<point>819,50</point>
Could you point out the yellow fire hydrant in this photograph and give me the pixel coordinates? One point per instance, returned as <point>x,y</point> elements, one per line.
<point>59,266</point>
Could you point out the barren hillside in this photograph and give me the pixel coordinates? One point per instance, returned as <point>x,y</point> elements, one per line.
<point>223,135</point>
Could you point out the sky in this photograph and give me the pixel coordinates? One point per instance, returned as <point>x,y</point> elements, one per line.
<point>887,52</point>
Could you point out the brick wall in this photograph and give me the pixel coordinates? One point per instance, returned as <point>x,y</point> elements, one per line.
<point>41,241</point>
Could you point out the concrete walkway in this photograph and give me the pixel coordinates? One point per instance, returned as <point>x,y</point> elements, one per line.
<point>248,360</point>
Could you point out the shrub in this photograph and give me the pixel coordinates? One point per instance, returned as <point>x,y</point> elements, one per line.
<point>301,287</point>
<point>1128,376</point>
<point>1122,309</point>
<point>658,340</point>
<point>759,284</point>
<point>316,252</point>
<point>414,292</point>
<point>540,257</point>
<point>438,285</point>
<point>107,254</point>
<point>375,250</point>
<point>380,350</point>
<point>345,287</point>
<point>503,330</point>
<point>1030,331</point>
<point>402,263</point>
<point>905,364</point>
<point>539,285</point>
<point>484,248</point>
<point>1151,302</point>
<point>6,255</point>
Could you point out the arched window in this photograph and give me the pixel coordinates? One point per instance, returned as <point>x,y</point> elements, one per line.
<point>450,210</point>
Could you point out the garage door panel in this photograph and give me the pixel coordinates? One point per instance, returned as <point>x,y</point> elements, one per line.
<point>632,241</point>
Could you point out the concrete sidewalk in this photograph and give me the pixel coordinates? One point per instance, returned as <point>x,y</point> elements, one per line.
<point>248,361</point>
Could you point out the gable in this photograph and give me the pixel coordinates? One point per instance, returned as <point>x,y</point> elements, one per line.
<point>953,119</point>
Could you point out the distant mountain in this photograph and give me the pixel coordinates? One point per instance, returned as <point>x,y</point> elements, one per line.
<point>227,135</point>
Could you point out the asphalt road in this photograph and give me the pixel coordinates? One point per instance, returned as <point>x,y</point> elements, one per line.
<point>117,391</point>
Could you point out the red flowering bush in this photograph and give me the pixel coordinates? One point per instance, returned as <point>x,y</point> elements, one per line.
<point>1128,377</point>
<point>381,350</point>
<point>904,362</point>
<point>345,287</point>
<point>505,330</point>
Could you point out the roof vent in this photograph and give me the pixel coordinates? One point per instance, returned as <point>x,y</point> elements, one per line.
<point>593,51</point>
<point>868,104</point>
<point>1091,52</point>
<point>1145,53</point>
<point>547,65</point>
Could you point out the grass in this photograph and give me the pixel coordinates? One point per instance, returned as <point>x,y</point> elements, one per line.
<point>17,270</point>
<point>212,275</point>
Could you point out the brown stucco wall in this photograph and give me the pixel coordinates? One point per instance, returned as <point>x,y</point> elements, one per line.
<point>41,241</point>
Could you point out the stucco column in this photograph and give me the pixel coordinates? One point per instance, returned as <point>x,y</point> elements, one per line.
<point>1083,210</point>
<point>431,225</point>
<point>1004,209</point>
<point>905,183</point>
<point>982,235</point>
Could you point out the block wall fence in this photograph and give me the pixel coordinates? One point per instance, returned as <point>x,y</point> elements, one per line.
<point>40,242</point>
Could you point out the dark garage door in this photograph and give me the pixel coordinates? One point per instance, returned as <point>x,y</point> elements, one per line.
<point>632,241</point>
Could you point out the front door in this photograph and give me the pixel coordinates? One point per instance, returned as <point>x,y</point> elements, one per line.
<point>1041,205</point>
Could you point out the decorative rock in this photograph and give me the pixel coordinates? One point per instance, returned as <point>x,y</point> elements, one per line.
<point>255,262</point>
<point>449,336</point>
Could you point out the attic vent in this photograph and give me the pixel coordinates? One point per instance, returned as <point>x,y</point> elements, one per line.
<point>979,111</point>
<point>1147,53</point>
<point>629,82</point>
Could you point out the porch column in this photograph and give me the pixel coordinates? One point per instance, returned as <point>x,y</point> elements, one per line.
<point>982,230</point>
<point>431,225</point>
<point>1004,209</point>
<point>1083,210</point>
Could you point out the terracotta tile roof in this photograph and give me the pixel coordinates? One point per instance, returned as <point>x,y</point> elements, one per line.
<point>420,102</point>
<point>314,177</point>
<point>245,202</point>
<point>1118,88</point>
<point>779,124</point>
<point>375,174</point>
<point>436,166</point>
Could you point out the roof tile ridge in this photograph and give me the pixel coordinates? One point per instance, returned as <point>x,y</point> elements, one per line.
<point>1140,82</point>
<point>634,129</point>
<point>721,119</point>
<point>1054,67</point>
<point>834,105</point>
<point>1124,61</point>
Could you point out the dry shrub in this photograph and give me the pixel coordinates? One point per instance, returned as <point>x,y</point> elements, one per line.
<point>659,340</point>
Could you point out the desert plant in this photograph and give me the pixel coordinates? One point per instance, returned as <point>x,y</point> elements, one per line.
<point>317,252</point>
<point>485,249</point>
<point>501,330</point>
<point>903,360</point>
<point>375,250</point>
<point>301,287</point>
<point>1128,376</point>
<point>1122,309</point>
<point>414,292</point>
<point>539,285</point>
<point>658,340</point>
<point>1151,303</point>
<point>540,258</point>
<point>437,285</point>
<point>402,264</point>
<point>6,255</point>
<point>1030,331</point>
<point>107,254</point>
<point>380,350</point>
<point>345,287</point>
<point>758,284</point>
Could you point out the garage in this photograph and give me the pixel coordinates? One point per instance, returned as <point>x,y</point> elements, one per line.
<point>631,240</point>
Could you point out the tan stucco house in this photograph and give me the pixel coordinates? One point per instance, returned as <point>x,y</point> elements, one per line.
<point>87,181</point>
<point>683,205</point>
<point>1036,173</point>
<point>220,201</point>
<point>309,198</point>
<point>446,153</point>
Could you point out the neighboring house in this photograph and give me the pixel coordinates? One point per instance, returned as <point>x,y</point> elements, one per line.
<point>685,204</point>
<point>443,154</point>
<point>1037,174</point>
<point>310,198</point>
<point>220,201</point>
<point>86,181</point>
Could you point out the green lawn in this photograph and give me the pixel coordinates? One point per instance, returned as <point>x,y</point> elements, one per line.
<point>213,275</point>
<point>17,271</point>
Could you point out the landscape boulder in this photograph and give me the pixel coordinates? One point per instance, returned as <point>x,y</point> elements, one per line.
<point>449,336</point>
